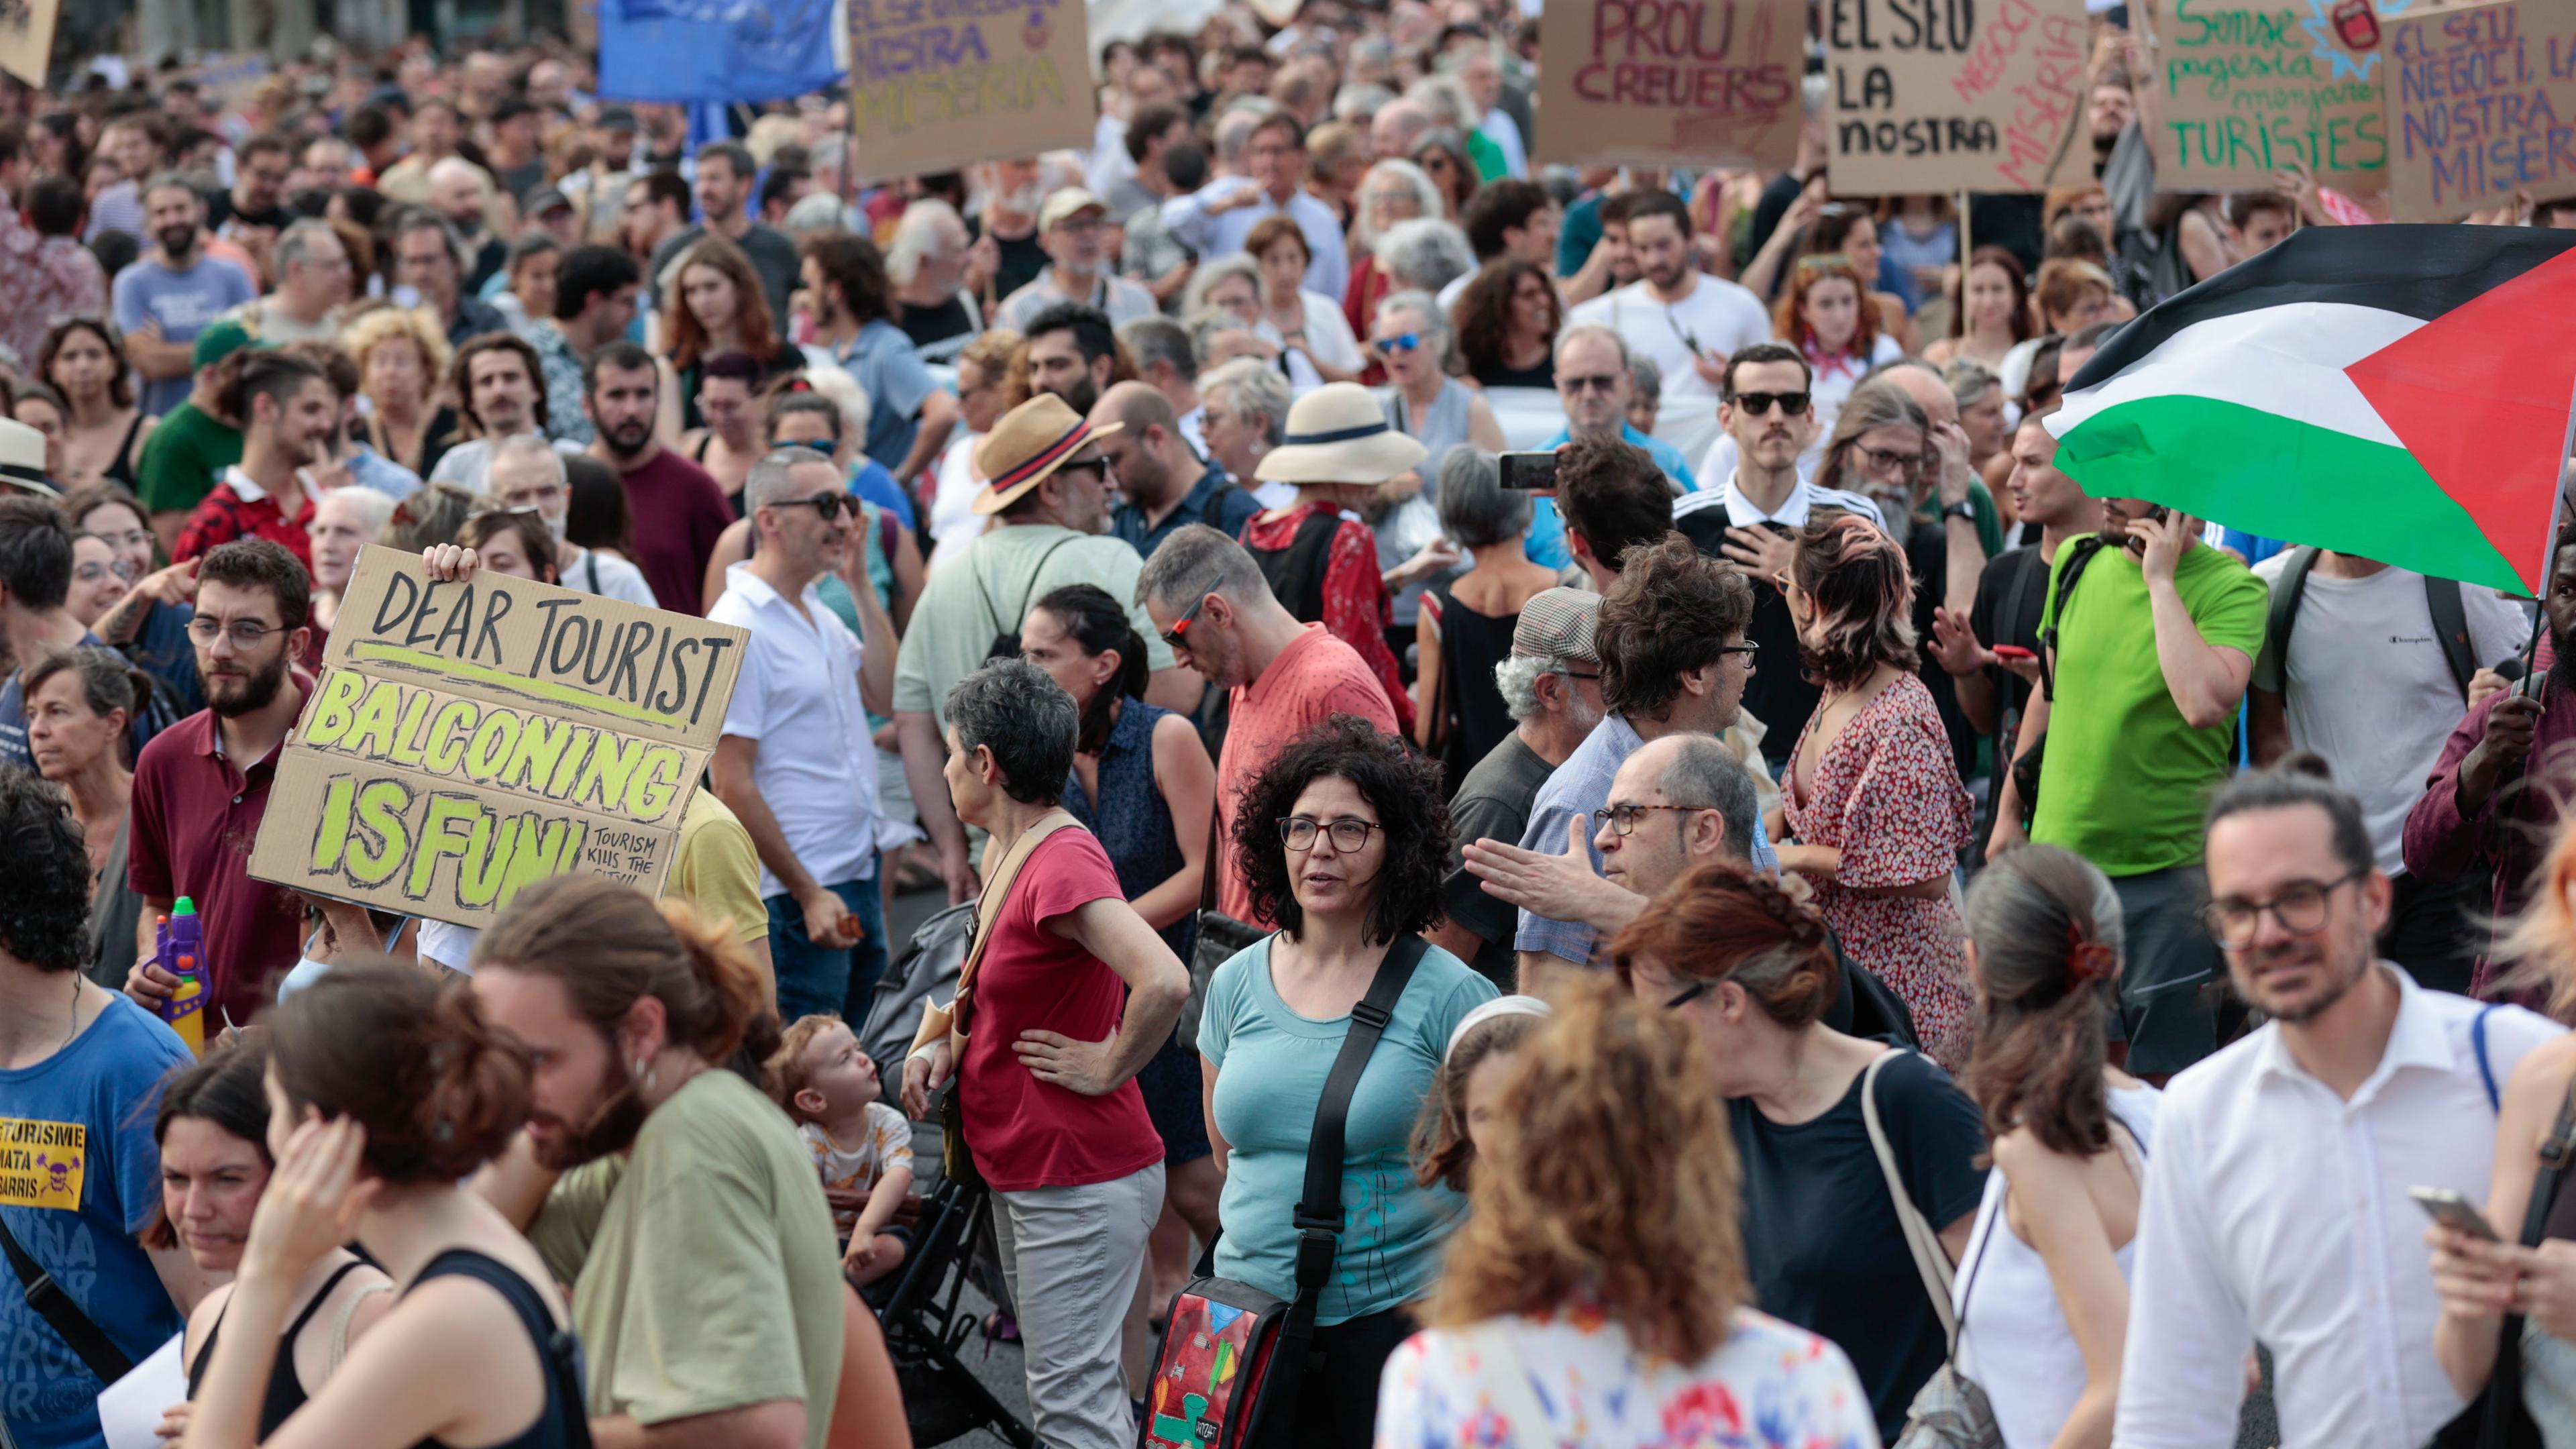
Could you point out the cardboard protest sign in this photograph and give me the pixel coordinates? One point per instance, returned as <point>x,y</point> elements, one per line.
<point>470,738</point>
<point>2249,88</point>
<point>2481,104</point>
<point>1671,82</point>
<point>1956,95</point>
<point>937,84</point>
<point>27,38</point>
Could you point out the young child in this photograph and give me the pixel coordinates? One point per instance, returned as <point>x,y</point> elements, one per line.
<point>1457,1115</point>
<point>862,1147</point>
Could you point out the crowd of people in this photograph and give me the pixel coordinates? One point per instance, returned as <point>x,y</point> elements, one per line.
<point>1841,927</point>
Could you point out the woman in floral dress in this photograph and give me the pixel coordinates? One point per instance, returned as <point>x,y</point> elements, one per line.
<point>1873,801</point>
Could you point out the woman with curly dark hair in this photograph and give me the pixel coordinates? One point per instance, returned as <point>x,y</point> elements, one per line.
<point>1343,841</point>
<point>1508,319</point>
<point>1872,798</point>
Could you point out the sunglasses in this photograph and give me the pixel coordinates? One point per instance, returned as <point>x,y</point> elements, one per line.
<point>1755,404</point>
<point>1174,637</point>
<point>828,505</point>
<point>1603,383</point>
<point>1390,346</point>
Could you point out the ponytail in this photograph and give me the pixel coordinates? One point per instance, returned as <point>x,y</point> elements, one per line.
<point>611,946</point>
<point>1094,620</point>
<point>736,1014</point>
<point>2048,934</point>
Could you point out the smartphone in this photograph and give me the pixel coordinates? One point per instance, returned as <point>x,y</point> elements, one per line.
<point>2014,653</point>
<point>2156,513</point>
<point>1529,471</point>
<point>2452,1211</point>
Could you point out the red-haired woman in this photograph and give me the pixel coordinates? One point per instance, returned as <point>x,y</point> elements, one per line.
<point>1827,316</point>
<point>1872,797</point>
<point>717,306</point>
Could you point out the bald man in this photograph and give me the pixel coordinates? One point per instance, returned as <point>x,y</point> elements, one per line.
<point>1397,125</point>
<point>1163,484</point>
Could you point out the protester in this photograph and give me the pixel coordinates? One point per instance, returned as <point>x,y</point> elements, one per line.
<point>170,295</point>
<point>1245,415</point>
<point>1305,320</point>
<point>314,284</point>
<point>1342,837</point>
<point>1621,1313</point>
<point>1394,191</point>
<point>595,292</point>
<point>677,510</point>
<point>37,555</point>
<point>909,418</point>
<point>2312,1104</point>
<point>987,387</point>
<point>51,275</point>
<point>400,358</point>
<point>725,177</point>
<point>2012,592</point>
<point>196,441</point>
<point>1048,1103</point>
<point>497,383</point>
<point>718,307</point>
<point>831,1089</point>
<point>103,432</point>
<point>1508,318</point>
<point>926,262</point>
<point>1751,970</point>
<point>1162,483</point>
<point>528,474</point>
<point>288,413</point>
<point>1071,227</point>
<point>1824,315</point>
<point>1685,322</point>
<point>1459,714</point>
<point>1217,220</point>
<point>432,260</point>
<point>82,1065</point>
<point>1597,384</point>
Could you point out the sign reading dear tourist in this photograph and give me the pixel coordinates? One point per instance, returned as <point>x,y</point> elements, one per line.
<point>937,84</point>
<point>1671,82</point>
<point>2481,104</point>
<point>1952,95</point>
<point>470,738</point>
<point>2250,90</point>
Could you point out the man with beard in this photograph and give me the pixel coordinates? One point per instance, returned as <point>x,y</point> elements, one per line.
<point>201,790</point>
<point>1048,501</point>
<point>253,213</point>
<point>595,291</point>
<point>172,293</point>
<point>1006,254</point>
<point>2147,647</point>
<point>2494,797</point>
<point>674,509</point>
<point>1073,353</point>
<point>290,417</point>
<point>2274,1206</point>
<point>495,380</point>
<point>726,175</point>
<point>528,473</point>
<point>430,259</point>
<point>1684,321</point>
<point>909,413</point>
<point>689,1219</point>
<point>456,194</point>
<point>1162,484</point>
<point>1070,228</point>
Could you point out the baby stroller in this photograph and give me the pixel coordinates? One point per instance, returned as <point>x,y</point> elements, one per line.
<point>926,1326</point>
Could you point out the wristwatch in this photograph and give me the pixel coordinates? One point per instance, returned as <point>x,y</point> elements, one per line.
<point>1960,509</point>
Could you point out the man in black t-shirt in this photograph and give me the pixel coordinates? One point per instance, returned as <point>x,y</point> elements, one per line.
<point>2013,592</point>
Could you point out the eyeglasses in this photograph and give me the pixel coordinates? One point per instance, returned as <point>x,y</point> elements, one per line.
<point>1603,383</point>
<point>1096,466</point>
<point>2300,908</point>
<point>1298,833</point>
<point>243,633</point>
<point>1390,346</point>
<point>1888,460</point>
<point>1622,819</point>
<point>90,573</point>
<point>827,505</point>
<point>1181,626</point>
<point>131,538</point>
<point>1755,404</point>
<point>1748,648</point>
<point>1689,994</point>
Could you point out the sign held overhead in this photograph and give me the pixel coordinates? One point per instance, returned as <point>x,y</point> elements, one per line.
<point>1671,82</point>
<point>1956,95</point>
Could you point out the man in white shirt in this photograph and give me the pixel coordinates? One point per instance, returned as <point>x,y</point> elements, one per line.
<point>496,376</point>
<point>795,762</point>
<point>1685,322</point>
<point>1215,219</point>
<point>2276,1199</point>
<point>1070,227</point>
<point>528,472</point>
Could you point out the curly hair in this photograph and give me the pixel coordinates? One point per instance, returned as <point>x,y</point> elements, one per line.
<point>44,917</point>
<point>1723,921</point>
<point>1861,597</point>
<point>1404,789</point>
<point>1484,312</point>
<point>399,324</point>
<point>1614,1183</point>
<point>1671,611</point>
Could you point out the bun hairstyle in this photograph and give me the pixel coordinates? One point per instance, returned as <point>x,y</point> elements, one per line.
<point>228,1087</point>
<point>2049,937</point>
<point>108,683</point>
<point>1094,621</point>
<point>1724,922</point>
<point>611,946</point>
<point>1855,578</point>
<point>438,1091</point>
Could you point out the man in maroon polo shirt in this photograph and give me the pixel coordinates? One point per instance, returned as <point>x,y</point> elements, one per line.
<point>201,787</point>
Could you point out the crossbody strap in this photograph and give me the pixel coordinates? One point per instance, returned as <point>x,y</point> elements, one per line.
<point>1920,1238</point>
<point>937,1022</point>
<point>56,1307</point>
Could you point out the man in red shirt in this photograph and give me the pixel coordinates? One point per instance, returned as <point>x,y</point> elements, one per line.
<point>674,509</point>
<point>289,412</point>
<point>1209,601</point>
<point>201,788</point>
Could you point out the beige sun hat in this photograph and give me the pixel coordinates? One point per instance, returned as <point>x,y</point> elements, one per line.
<point>1029,444</point>
<point>1339,434</point>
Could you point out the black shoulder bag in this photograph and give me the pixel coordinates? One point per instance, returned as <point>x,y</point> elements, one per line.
<point>2507,1425</point>
<point>2025,766</point>
<point>1233,1359</point>
<point>65,1317</point>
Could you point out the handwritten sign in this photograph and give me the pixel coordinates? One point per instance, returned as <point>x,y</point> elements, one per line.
<point>2253,87</point>
<point>470,738</point>
<point>937,84</point>
<point>2481,104</point>
<point>1671,82</point>
<point>1951,95</point>
<point>27,38</point>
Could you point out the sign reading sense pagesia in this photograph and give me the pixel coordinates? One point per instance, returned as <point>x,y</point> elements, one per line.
<point>1950,95</point>
<point>2481,105</point>
<point>2251,88</point>
<point>938,84</point>
<point>1666,82</point>
<point>470,738</point>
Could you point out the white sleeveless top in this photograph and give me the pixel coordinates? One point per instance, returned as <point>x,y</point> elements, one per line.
<point>2009,1316</point>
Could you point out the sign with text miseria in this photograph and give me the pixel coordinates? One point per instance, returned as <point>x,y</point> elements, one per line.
<point>2481,104</point>
<point>1671,82</point>
<point>2251,88</point>
<point>1956,95</point>
<point>938,84</point>
<point>469,738</point>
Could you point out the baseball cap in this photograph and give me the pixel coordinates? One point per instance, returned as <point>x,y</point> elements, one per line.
<point>1067,202</point>
<point>543,199</point>
<point>1557,624</point>
<point>219,341</point>
<point>615,118</point>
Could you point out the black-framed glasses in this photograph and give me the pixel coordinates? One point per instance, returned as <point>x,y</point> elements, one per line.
<point>1622,819</point>
<point>243,633</point>
<point>1579,674</point>
<point>2300,907</point>
<point>1890,460</point>
<point>828,505</point>
<point>1606,382</point>
<point>1755,404</point>
<point>1689,994</point>
<point>1350,835</point>
<point>1748,648</point>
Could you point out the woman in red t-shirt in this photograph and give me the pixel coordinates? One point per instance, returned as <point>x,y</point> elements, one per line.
<point>1073,996</point>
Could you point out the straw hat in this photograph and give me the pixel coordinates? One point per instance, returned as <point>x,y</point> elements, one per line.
<point>22,460</point>
<point>1029,443</point>
<point>1339,434</point>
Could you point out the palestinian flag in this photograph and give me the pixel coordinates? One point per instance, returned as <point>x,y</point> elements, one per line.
<point>2398,392</point>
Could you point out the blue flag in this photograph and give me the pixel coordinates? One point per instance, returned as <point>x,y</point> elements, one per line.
<point>714,50</point>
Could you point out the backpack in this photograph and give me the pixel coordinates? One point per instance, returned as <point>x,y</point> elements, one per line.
<point>1296,573</point>
<point>2061,587</point>
<point>2441,596</point>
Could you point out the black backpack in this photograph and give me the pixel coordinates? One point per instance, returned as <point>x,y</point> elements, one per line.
<point>1296,573</point>
<point>2441,596</point>
<point>2061,587</point>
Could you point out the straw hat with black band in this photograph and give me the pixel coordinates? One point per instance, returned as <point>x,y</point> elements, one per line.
<point>1339,434</point>
<point>22,459</point>
<point>1027,446</point>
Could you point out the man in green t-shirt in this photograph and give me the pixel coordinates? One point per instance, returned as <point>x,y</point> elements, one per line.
<point>186,453</point>
<point>2150,653</point>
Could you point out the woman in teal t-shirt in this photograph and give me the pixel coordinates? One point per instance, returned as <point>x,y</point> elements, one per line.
<point>1344,839</point>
